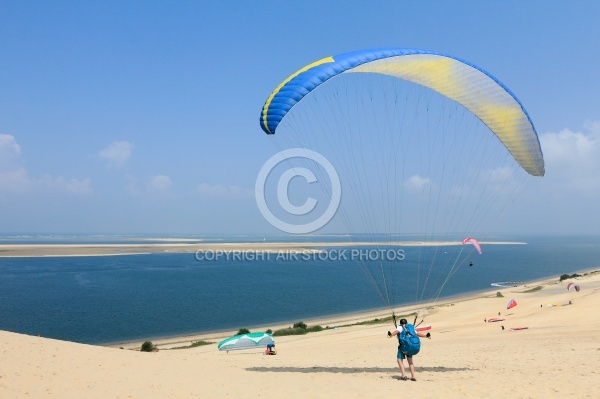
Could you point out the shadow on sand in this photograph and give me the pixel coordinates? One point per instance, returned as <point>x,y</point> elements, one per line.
<point>352,370</point>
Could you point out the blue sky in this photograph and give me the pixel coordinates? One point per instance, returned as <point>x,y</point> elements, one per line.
<point>142,117</point>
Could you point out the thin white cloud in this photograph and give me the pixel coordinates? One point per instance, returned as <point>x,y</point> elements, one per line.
<point>160,183</point>
<point>13,176</point>
<point>19,181</point>
<point>498,175</point>
<point>62,185</point>
<point>458,190</point>
<point>116,154</point>
<point>573,158</point>
<point>10,151</point>
<point>569,148</point>
<point>220,191</point>
<point>416,183</point>
<point>15,179</point>
<point>500,180</point>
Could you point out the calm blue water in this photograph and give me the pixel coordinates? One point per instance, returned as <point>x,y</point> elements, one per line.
<point>120,298</point>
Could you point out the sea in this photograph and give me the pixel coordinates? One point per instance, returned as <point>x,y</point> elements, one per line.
<point>112,299</point>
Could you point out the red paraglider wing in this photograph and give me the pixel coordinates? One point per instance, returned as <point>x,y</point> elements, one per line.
<point>572,287</point>
<point>511,304</point>
<point>474,242</point>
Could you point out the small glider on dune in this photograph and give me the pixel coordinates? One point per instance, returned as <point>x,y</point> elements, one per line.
<point>473,241</point>
<point>573,287</point>
<point>246,341</point>
<point>511,304</point>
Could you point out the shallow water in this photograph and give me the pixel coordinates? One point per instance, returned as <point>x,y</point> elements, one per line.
<point>121,298</point>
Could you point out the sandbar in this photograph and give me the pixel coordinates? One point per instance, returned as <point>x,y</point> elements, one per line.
<point>46,250</point>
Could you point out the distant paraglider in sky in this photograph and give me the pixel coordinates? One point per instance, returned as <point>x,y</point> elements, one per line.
<point>474,242</point>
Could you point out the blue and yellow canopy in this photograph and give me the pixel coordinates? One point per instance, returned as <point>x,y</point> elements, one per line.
<point>476,90</point>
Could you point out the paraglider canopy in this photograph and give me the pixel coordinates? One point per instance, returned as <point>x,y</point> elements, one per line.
<point>473,241</point>
<point>573,287</point>
<point>246,341</point>
<point>472,87</point>
<point>421,144</point>
<point>511,304</point>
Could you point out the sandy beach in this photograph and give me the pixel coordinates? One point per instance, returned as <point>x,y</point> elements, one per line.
<point>556,357</point>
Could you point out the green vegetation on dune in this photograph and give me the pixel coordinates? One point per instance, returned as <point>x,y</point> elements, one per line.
<point>193,345</point>
<point>148,346</point>
<point>299,328</point>
<point>534,289</point>
<point>568,276</point>
<point>383,320</point>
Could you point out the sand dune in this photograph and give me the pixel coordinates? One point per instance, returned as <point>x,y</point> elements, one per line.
<point>556,357</point>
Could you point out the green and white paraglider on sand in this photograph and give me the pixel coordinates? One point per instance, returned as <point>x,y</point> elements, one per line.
<point>246,341</point>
